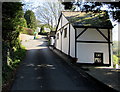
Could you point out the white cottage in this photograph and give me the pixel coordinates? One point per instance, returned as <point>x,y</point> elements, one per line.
<point>85,36</point>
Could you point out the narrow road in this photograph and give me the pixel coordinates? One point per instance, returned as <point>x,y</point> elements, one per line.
<point>44,70</point>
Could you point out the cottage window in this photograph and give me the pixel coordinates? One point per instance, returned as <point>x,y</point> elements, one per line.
<point>98,57</point>
<point>65,32</point>
<point>57,35</point>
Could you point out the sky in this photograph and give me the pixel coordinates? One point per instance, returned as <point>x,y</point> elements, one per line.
<point>33,4</point>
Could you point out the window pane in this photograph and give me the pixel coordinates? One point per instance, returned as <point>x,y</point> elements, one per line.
<point>57,35</point>
<point>98,57</point>
<point>65,32</point>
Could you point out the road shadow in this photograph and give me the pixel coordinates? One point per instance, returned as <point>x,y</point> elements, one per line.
<point>44,44</point>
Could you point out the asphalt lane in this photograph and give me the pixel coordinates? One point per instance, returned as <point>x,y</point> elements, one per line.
<point>44,70</point>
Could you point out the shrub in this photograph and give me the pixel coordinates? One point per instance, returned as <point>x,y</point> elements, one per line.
<point>115,59</point>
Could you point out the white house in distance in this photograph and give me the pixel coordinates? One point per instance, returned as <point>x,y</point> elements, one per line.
<point>37,30</point>
<point>51,37</point>
<point>47,30</point>
<point>85,36</point>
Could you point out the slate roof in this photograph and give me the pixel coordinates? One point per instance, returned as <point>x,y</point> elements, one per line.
<point>89,19</point>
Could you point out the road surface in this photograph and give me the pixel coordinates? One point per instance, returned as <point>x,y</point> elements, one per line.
<point>44,70</point>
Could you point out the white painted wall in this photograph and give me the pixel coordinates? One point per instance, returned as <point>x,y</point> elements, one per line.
<point>111,56</point>
<point>65,41</point>
<point>62,22</point>
<point>92,34</point>
<point>85,52</point>
<point>72,41</point>
<point>58,41</point>
<point>52,40</point>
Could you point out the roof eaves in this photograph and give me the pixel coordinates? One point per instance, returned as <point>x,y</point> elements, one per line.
<point>107,27</point>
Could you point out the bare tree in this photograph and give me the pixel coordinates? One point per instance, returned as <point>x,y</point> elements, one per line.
<point>48,12</point>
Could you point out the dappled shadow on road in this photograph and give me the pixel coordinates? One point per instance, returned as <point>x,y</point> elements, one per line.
<point>39,66</point>
<point>44,44</point>
<point>37,57</point>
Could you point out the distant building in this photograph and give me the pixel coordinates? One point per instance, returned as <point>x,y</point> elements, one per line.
<point>38,29</point>
<point>47,30</point>
<point>51,37</point>
<point>85,36</point>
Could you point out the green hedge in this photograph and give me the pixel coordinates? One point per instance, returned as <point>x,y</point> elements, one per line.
<point>12,64</point>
